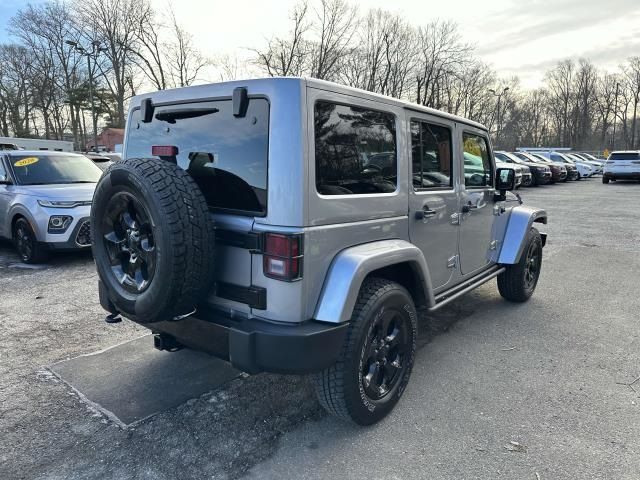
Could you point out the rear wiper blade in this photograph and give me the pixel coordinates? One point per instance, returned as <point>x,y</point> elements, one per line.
<point>171,116</point>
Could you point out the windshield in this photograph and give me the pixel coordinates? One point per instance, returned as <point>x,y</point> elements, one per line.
<point>43,169</point>
<point>224,154</point>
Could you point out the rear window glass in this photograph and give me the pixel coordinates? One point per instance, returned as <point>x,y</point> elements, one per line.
<point>624,156</point>
<point>355,150</point>
<point>225,155</point>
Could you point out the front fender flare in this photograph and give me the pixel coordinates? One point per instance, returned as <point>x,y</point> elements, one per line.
<point>351,266</point>
<point>520,221</point>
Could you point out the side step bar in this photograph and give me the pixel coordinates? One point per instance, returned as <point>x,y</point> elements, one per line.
<point>465,287</point>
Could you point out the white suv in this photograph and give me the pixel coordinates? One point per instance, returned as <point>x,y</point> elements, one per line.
<point>622,165</point>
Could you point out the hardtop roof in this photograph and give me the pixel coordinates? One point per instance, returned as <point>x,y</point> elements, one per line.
<point>255,83</point>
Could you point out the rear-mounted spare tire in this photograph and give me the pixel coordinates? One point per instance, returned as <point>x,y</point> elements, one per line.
<point>153,239</point>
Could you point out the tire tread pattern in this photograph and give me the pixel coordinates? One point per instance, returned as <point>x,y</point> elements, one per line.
<point>330,383</point>
<point>191,231</point>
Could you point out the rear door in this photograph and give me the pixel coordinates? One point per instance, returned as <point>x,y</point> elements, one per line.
<point>476,200</point>
<point>226,155</point>
<point>433,196</point>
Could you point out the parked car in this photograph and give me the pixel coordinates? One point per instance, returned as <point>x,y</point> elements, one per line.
<point>517,171</point>
<point>45,199</point>
<point>584,170</point>
<point>8,146</point>
<point>622,165</point>
<point>588,156</point>
<point>314,265</point>
<point>539,174</point>
<point>101,161</point>
<point>559,172</point>
<point>577,158</point>
<point>581,170</point>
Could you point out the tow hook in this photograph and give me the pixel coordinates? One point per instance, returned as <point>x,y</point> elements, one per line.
<point>162,341</point>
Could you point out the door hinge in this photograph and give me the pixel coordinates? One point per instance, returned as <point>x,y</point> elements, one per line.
<point>455,219</point>
<point>493,245</point>
<point>452,262</point>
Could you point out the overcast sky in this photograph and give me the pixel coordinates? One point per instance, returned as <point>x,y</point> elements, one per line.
<point>516,37</point>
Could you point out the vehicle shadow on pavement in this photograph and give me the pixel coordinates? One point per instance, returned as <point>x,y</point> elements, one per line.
<point>10,261</point>
<point>226,431</point>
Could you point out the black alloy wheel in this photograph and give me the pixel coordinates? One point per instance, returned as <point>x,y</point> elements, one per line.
<point>519,280</point>
<point>129,242</point>
<point>374,366</point>
<point>26,244</point>
<point>386,355</point>
<point>532,266</point>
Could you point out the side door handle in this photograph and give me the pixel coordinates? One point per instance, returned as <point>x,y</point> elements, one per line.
<point>426,212</point>
<point>470,206</point>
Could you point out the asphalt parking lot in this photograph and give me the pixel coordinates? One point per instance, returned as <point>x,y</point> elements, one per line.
<point>548,375</point>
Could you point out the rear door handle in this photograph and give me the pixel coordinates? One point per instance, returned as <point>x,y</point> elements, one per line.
<point>426,212</point>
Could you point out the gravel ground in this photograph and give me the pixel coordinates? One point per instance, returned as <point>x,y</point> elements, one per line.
<point>545,374</point>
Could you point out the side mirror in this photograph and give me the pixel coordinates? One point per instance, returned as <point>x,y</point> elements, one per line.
<point>4,180</point>
<point>505,180</point>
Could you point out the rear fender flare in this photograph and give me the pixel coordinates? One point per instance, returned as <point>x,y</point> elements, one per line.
<point>352,265</point>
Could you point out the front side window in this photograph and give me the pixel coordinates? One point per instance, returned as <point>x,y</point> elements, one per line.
<point>430,155</point>
<point>355,150</point>
<point>477,162</point>
<point>225,155</point>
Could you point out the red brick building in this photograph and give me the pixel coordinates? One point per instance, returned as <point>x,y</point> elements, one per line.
<point>108,139</point>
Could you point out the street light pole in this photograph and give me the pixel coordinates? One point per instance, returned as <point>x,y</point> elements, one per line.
<point>615,117</point>
<point>499,95</point>
<point>95,50</point>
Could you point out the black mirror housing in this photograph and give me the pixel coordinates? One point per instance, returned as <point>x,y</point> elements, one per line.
<point>505,180</point>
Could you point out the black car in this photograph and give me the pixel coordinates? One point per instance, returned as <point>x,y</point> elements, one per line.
<point>540,174</point>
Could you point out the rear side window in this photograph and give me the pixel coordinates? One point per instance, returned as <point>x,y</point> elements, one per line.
<point>430,155</point>
<point>225,155</point>
<point>355,150</point>
<point>477,163</point>
<point>624,156</point>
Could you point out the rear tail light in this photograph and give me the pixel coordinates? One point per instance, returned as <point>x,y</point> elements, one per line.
<point>282,257</point>
<point>164,150</point>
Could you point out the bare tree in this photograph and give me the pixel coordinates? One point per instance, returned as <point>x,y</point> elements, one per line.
<point>605,102</point>
<point>184,60</point>
<point>115,24</point>
<point>287,56</point>
<point>441,54</point>
<point>631,72</point>
<point>336,24</point>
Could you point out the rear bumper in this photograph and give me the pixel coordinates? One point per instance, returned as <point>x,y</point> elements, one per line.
<point>255,346</point>
<point>622,175</point>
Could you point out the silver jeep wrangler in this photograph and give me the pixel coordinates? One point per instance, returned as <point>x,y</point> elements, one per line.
<point>296,226</point>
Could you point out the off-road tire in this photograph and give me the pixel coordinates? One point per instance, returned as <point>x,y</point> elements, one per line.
<point>35,252</point>
<point>339,388</point>
<point>182,232</point>
<point>512,283</point>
